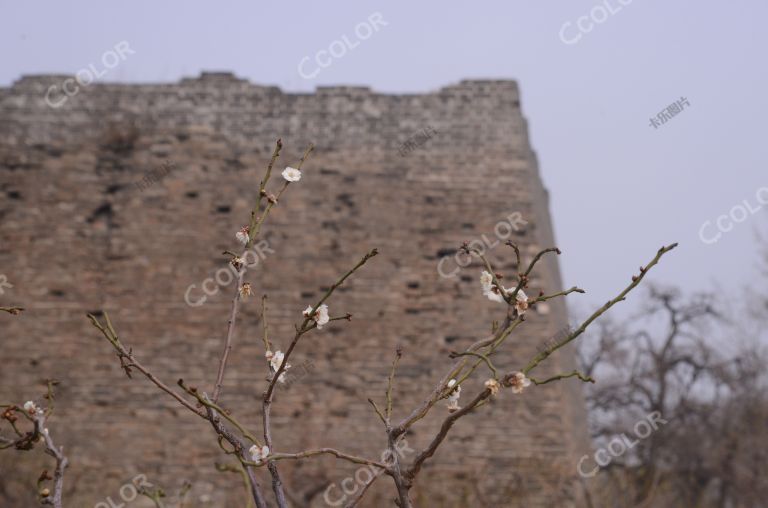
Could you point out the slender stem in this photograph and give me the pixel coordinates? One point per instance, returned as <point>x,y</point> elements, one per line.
<point>329,451</point>
<point>269,394</point>
<point>253,232</point>
<point>441,435</point>
<point>122,353</point>
<point>398,355</point>
<point>575,373</point>
<point>230,335</point>
<point>61,461</point>
<point>636,279</point>
<point>267,345</point>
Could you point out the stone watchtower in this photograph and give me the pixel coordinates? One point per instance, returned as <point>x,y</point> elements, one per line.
<point>123,198</point>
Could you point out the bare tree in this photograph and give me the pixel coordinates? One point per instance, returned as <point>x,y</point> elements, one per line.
<point>712,403</point>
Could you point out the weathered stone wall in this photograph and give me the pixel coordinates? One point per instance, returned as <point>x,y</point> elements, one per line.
<point>77,234</point>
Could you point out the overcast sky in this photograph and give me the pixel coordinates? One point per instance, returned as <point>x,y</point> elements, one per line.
<point>591,78</point>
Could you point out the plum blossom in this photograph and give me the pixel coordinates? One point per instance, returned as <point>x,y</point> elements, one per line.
<point>30,407</point>
<point>521,302</point>
<point>518,382</point>
<point>242,235</point>
<point>291,174</point>
<point>275,360</point>
<point>453,396</point>
<point>320,317</point>
<point>258,453</point>
<point>245,290</point>
<point>494,294</point>
<point>493,386</point>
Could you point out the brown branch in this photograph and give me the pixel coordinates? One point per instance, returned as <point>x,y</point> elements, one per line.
<point>305,326</point>
<point>411,473</point>
<point>61,461</point>
<point>636,279</point>
<point>12,310</point>
<point>575,373</point>
<point>123,354</point>
<point>253,233</point>
<point>398,355</point>
<point>330,451</point>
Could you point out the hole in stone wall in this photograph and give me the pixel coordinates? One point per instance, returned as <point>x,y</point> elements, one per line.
<point>223,209</point>
<point>114,188</point>
<point>192,194</point>
<point>346,199</point>
<point>104,211</point>
<point>13,194</point>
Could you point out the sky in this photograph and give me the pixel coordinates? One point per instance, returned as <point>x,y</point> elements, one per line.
<point>592,76</point>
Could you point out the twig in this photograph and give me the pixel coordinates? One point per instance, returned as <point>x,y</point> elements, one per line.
<point>61,461</point>
<point>398,355</point>
<point>122,353</point>
<point>576,373</point>
<point>636,279</point>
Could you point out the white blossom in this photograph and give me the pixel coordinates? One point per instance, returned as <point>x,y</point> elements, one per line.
<point>275,360</point>
<point>486,281</point>
<point>258,453</point>
<point>493,386</point>
<point>30,407</point>
<point>242,235</point>
<point>453,396</point>
<point>320,317</point>
<point>518,382</point>
<point>493,293</point>
<point>291,174</point>
<point>521,303</point>
<point>489,290</point>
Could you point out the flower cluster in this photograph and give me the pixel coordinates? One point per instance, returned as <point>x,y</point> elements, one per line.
<point>275,361</point>
<point>258,453</point>
<point>493,293</point>
<point>453,397</point>
<point>30,407</point>
<point>320,316</point>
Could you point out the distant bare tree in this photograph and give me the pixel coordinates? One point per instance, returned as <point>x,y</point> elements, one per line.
<point>673,366</point>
